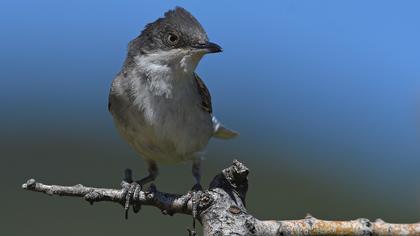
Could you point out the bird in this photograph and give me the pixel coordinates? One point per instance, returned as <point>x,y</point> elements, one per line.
<point>159,104</point>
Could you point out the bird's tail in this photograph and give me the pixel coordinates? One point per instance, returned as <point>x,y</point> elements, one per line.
<point>222,132</point>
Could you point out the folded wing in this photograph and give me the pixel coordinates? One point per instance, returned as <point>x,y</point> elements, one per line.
<point>219,130</point>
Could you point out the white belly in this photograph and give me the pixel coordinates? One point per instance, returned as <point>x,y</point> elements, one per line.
<point>166,128</point>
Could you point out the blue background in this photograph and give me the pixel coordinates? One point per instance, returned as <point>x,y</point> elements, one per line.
<point>324,93</point>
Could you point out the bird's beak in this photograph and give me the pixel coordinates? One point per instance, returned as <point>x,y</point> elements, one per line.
<point>208,47</point>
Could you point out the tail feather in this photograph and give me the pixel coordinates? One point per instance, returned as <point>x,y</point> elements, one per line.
<point>222,132</point>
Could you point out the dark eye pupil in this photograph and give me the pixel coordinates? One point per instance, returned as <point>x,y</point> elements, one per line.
<point>173,38</point>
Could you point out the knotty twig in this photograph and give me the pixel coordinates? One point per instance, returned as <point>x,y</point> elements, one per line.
<point>167,202</point>
<point>221,209</point>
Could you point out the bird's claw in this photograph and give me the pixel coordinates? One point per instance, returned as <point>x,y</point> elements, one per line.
<point>195,195</point>
<point>191,232</point>
<point>131,192</point>
<point>197,187</point>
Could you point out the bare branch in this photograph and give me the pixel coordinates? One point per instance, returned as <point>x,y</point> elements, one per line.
<point>221,209</point>
<point>312,226</point>
<point>167,202</point>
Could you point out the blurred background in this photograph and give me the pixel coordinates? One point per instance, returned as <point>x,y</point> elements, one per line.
<point>326,96</point>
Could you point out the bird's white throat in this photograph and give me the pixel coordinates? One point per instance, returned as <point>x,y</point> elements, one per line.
<point>167,71</point>
<point>169,82</point>
<point>168,67</point>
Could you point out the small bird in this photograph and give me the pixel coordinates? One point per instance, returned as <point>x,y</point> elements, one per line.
<point>160,105</point>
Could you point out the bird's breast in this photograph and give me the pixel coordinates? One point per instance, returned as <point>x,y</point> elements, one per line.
<point>167,126</point>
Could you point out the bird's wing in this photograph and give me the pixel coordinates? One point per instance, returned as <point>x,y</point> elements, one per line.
<point>219,130</point>
<point>204,93</point>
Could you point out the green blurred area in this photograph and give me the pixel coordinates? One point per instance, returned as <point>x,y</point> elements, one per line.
<point>279,189</point>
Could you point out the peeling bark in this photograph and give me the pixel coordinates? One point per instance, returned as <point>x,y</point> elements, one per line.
<point>222,211</point>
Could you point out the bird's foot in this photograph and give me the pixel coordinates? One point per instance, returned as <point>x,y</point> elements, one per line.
<point>196,191</point>
<point>131,191</point>
<point>191,232</point>
<point>197,187</point>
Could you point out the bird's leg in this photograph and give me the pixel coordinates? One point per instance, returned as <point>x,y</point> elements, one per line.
<point>196,171</point>
<point>153,173</point>
<point>132,188</point>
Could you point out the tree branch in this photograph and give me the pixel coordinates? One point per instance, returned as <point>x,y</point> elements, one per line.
<point>172,203</point>
<point>221,209</point>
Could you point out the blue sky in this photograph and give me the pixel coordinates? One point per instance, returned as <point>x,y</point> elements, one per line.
<point>339,76</point>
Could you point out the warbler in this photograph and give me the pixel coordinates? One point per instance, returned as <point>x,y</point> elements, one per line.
<point>159,104</point>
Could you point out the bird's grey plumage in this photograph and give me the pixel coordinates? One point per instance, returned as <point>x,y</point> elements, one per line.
<point>153,37</point>
<point>159,104</point>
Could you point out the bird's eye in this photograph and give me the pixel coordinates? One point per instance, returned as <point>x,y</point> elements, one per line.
<point>172,39</point>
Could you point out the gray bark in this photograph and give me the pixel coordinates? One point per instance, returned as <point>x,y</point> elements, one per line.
<point>222,211</point>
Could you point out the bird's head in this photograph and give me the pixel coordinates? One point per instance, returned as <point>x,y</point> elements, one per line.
<point>177,37</point>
